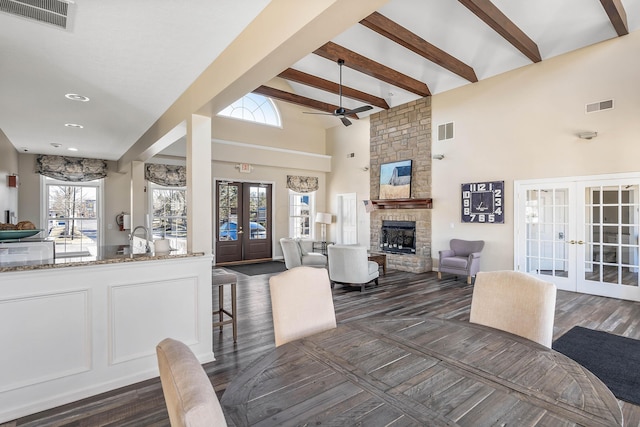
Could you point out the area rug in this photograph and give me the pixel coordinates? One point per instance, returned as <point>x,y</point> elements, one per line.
<point>612,358</point>
<point>258,268</point>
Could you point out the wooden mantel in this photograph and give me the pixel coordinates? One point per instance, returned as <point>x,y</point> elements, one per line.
<point>403,204</point>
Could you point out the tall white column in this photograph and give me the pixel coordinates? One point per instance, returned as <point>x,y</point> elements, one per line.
<point>199,194</point>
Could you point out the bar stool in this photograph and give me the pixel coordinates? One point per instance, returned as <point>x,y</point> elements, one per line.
<point>220,278</point>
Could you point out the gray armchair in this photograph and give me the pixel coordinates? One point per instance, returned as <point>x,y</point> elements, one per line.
<point>298,253</point>
<point>463,259</point>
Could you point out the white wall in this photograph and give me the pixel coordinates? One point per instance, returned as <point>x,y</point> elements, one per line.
<point>523,125</point>
<point>347,174</point>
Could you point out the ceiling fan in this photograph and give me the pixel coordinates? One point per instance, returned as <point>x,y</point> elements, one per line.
<point>343,112</point>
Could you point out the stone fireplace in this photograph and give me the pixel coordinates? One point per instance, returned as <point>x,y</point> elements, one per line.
<point>403,133</point>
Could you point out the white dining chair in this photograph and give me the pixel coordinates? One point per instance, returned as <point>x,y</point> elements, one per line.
<point>190,398</point>
<point>301,303</point>
<point>515,302</point>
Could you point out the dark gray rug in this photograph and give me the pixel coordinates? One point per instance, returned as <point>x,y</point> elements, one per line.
<point>258,268</point>
<point>612,358</point>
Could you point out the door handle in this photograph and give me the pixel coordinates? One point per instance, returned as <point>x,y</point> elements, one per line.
<point>574,242</point>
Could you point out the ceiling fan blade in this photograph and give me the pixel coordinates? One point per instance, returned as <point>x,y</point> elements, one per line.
<point>324,114</point>
<point>345,121</point>
<point>359,109</point>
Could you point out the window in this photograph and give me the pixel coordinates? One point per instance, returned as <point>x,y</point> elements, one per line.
<point>254,108</point>
<point>72,217</point>
<point>169,215</point>
<point>300,219</point>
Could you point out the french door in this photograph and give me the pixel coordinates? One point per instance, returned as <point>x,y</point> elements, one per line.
<point>243,216</point>
<point>581,235</point>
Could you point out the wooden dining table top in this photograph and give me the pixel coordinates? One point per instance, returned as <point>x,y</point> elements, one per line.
<point>417,372</point>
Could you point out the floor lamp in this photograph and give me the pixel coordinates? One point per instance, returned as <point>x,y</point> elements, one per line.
<point>323,219</point>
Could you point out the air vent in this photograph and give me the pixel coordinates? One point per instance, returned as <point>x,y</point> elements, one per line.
<point>445,131</point>
<point>51,12</point>
<point>599,106</point>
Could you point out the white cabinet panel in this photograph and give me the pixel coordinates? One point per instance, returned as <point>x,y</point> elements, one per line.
<point>51,346</point>
<point>170,309</point>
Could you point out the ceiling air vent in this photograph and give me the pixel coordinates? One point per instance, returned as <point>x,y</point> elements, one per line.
<point>599,106</point>
<point>445,131</point>
<point>52,12</point>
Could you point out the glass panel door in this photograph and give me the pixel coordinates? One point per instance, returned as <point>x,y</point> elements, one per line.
<point>611,225</point>
<point>243,221</point>
<point>546,249</point>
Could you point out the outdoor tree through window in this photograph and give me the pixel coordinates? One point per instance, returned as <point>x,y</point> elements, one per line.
<point>72,218</point>
<point>169,206</point>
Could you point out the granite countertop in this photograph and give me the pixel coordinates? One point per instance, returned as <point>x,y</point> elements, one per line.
<point>106,255</point>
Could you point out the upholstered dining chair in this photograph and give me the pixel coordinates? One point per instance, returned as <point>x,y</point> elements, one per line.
<point>188,394</point>
<point>463,259</point>
<point>350,265</point>
<point>301,303</point>
<point>515,302</point>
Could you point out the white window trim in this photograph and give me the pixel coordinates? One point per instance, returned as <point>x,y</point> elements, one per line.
<point>99,183</point>
<point>312,213</point>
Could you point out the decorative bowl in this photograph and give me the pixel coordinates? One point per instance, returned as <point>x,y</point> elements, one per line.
<point>17,234</point>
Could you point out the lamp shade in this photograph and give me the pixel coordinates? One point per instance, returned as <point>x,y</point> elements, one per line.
<point>323,218</point>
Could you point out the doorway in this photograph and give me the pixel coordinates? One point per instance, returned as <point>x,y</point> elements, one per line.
<point>243,216</point>
<point>347,223</point>
<point>581,235</point>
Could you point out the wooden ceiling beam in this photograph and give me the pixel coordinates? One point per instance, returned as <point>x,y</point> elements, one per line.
<point>329,86</point>
<point>371,68</point>
<point>617,16</point>
<point>399,34</point>
<point>292,98</point>
<point>493,17</point>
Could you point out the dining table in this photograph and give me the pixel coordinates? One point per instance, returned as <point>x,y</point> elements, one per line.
<point>417,371</point>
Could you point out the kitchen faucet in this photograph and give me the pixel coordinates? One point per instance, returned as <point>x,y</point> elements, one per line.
<point>147,248</point>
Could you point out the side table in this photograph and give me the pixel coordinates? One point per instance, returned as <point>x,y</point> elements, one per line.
<point>321,247</point>
<point>381,259</point>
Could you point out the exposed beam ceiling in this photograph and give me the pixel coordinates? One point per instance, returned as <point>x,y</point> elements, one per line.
<point>497,20</point>
<point>371,68</point>
<point>617,15</point>
<point>396,51</point>
<point>298,100</point>
<point>329,86</point>
<point>393,31</point>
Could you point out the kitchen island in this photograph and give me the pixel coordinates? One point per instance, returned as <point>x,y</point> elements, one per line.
<point>71,330</point>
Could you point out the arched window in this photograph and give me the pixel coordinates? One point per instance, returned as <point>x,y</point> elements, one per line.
<point>254,108</point>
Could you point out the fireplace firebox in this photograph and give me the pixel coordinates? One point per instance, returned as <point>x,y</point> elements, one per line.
<point>398,237</point>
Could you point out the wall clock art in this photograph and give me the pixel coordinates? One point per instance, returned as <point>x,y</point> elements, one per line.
<point>483,202</point>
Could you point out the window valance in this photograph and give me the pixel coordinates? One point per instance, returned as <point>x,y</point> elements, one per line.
<point>302,184</point>
<point>73,169</point>
<point>166,175</point>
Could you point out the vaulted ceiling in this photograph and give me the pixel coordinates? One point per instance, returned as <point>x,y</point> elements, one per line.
<point>134,59</point>
<point>411,49</point>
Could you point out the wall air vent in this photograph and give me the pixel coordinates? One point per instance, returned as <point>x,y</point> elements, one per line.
<point>445,131</point>
<point>599,106</point>
<point>51,12</point>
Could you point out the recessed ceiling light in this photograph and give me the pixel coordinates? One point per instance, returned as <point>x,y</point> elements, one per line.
<point>56,145</point>
<point>73,125</point>
<point>76,97</point>
<point>72,149</point>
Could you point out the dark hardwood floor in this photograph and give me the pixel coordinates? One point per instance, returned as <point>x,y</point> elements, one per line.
<point>399,294</point>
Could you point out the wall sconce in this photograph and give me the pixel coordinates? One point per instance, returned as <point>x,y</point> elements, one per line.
<point>437,156</point>
<point>587,135</point>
